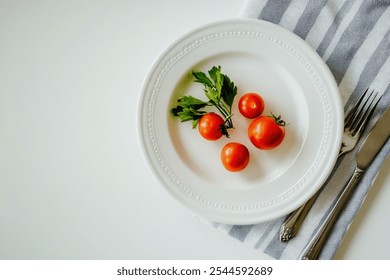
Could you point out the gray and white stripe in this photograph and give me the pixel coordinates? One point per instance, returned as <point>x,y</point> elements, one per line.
<point>353,38</point>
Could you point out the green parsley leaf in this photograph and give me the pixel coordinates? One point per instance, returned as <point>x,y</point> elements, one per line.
<point>220,92</point>
<point>228,91</point>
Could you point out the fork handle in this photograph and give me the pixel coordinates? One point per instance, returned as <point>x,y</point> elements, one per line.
<point>313,248</point>
<point>294,220</point>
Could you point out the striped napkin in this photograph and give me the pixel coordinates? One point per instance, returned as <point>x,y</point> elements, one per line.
<point>353,38</point>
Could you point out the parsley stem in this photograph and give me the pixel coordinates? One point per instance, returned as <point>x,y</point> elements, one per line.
<point>226,114</point>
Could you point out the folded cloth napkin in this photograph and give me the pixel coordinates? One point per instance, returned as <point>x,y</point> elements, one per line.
<point>353,38</point>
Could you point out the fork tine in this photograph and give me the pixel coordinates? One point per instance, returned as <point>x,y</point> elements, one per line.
<point>361,109</point>
<point>361,123</point>
<point>353,113</point>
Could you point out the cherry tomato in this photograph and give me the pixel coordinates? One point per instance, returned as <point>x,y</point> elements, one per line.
<point>210,125</point>
<point>234,156</point>
<point>251,105</point>
<point>266,132</point>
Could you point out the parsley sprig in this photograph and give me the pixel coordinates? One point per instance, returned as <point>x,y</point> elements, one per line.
<point>220,92</point>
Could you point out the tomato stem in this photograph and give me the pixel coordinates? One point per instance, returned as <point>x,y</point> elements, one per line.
<point>278,120</point>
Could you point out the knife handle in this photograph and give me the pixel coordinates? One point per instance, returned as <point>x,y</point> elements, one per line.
<point>313,248</point>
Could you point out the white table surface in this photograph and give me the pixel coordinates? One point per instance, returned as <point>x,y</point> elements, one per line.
<point>73,181</point>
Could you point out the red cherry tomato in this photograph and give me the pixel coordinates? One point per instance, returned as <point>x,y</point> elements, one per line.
<point>251,105</point>
<point>210,125</point>
<point>266,132</point>
<point>234,156</point>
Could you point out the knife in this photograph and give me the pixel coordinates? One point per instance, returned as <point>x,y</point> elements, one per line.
<point>367,152</point>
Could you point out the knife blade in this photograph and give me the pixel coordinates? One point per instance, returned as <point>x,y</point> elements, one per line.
<point>372,144</point>
<point>374,141</point>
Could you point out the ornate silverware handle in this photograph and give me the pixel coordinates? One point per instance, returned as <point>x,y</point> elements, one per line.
<point>313,248</point>
<point>295,219</point>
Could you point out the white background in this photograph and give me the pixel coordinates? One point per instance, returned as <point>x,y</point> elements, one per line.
<point>73,181</point>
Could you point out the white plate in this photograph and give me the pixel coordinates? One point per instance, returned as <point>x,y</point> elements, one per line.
<point>294,82</point>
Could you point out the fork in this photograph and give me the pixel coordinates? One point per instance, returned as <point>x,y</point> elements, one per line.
<point>355,122</point>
